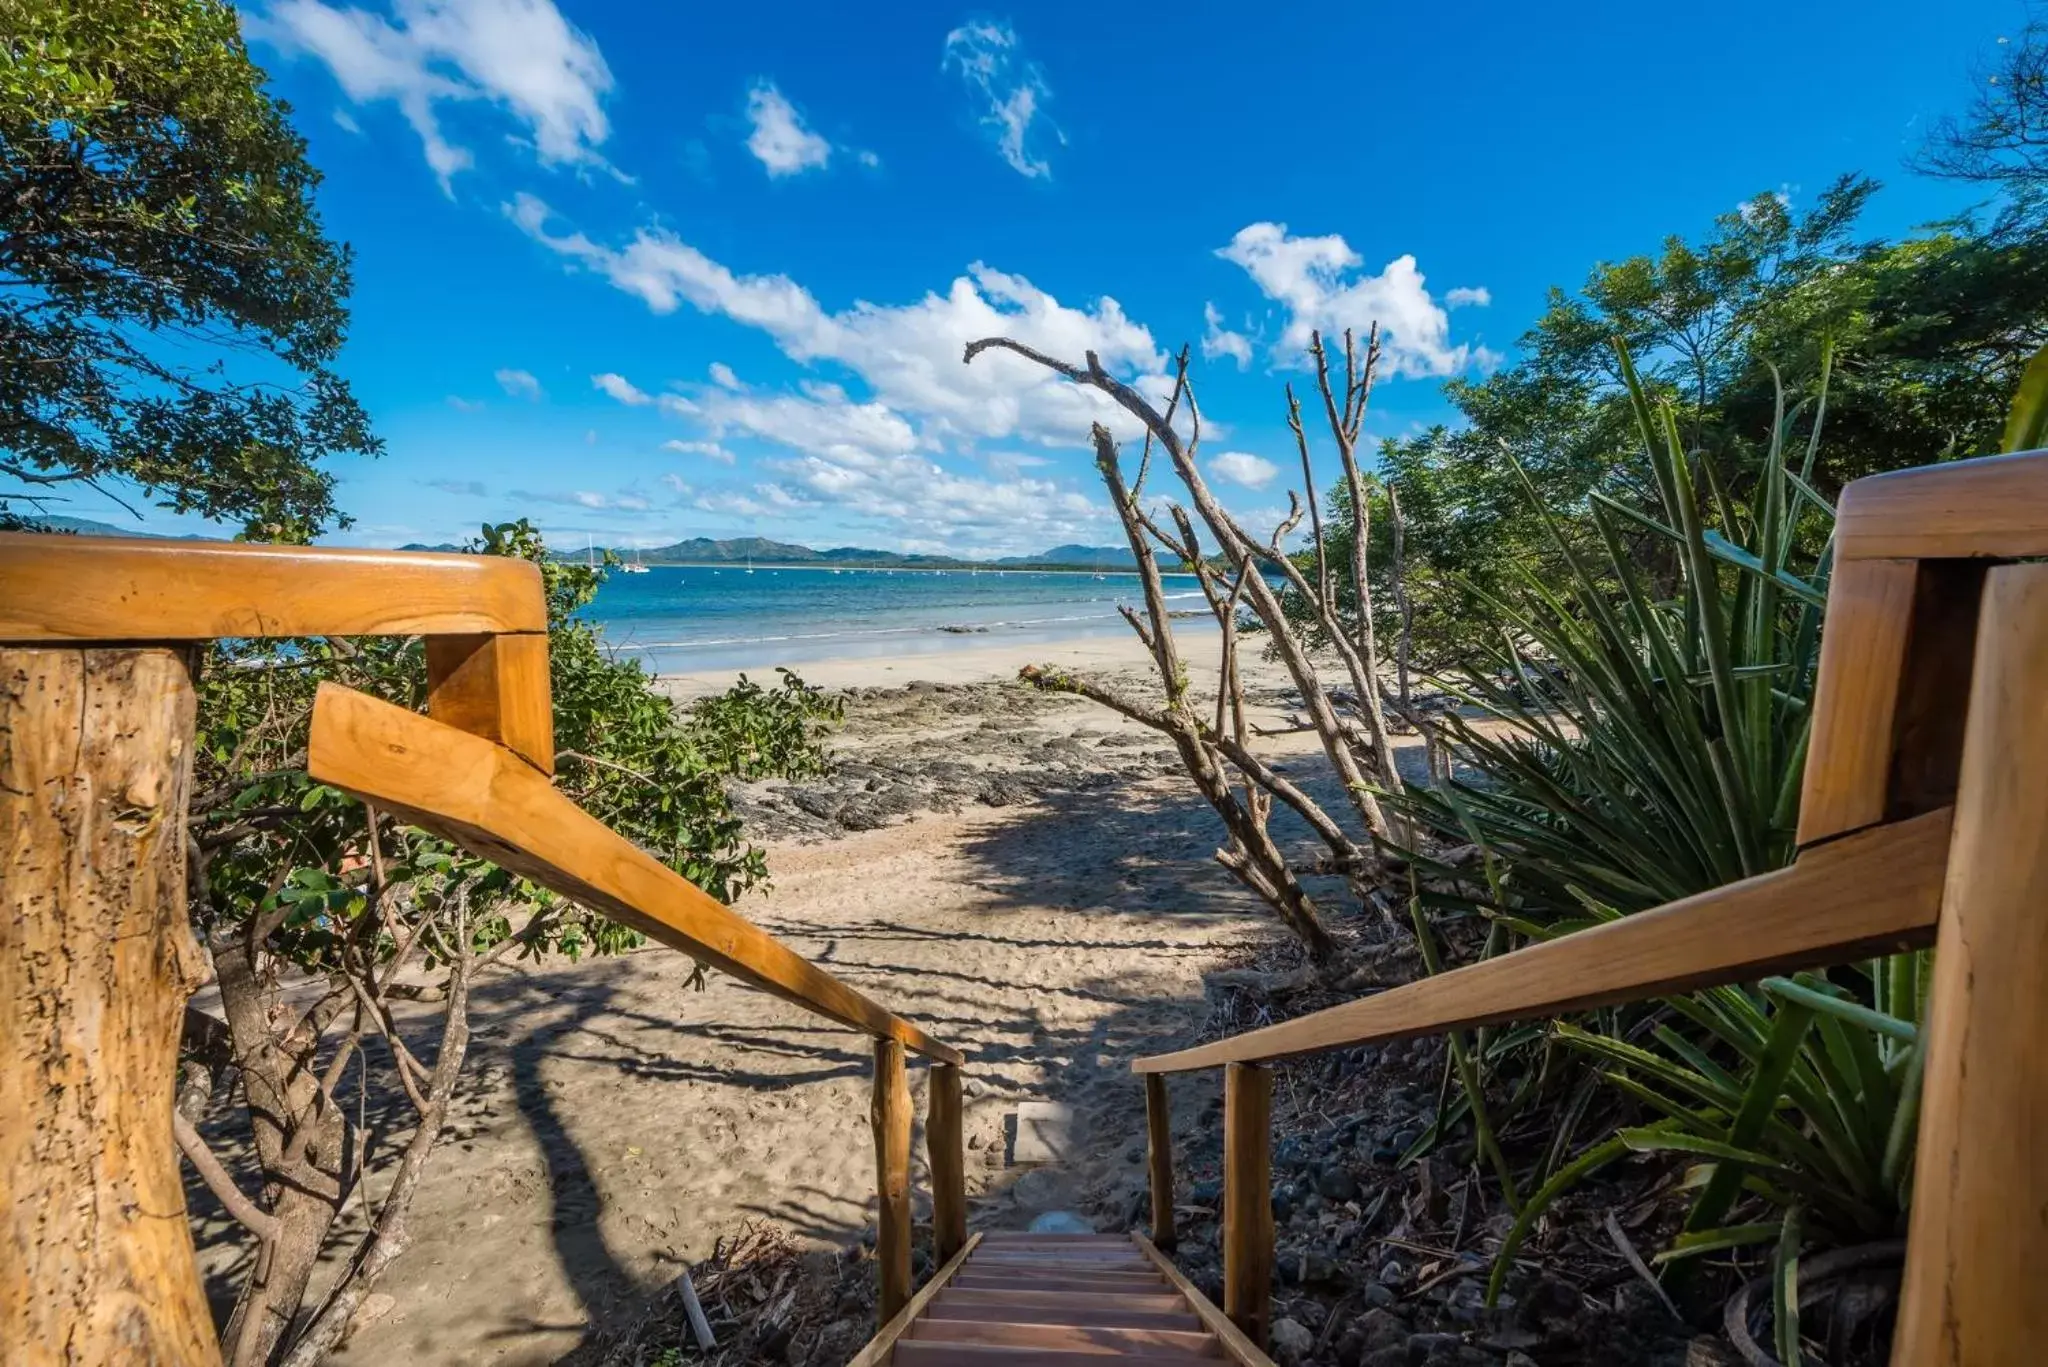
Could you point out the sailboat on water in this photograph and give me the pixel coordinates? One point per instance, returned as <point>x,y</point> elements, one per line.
<point>635,565</point>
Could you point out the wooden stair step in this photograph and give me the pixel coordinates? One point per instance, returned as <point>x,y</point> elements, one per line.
<point>1171,1343</point>
<point>1096,1316</point>
<point>1070,1265</point>
<point>974,1281</point>
<point>1163,1299</point>
<point>992,1237</point>
<point>912,1353</point>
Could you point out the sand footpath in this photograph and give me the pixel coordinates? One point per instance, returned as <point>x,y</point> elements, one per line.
<point>615,1122</point>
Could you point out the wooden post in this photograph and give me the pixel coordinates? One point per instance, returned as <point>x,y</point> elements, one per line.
<point>1248,1198</point>
<point>495,686</point>
<point>945,1146</point>
<point>96,962</point>
<point>1979,1239</point>
<point>1159,1143</point>
<point>891,1117</point>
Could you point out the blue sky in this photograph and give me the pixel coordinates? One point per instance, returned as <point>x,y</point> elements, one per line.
<point>645,271</point>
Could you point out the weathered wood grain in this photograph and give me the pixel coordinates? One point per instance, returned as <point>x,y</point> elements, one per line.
<point>96,962</point>
<point>1979,1238</point>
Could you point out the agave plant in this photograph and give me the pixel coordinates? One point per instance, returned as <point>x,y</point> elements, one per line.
<point>1649,721</point>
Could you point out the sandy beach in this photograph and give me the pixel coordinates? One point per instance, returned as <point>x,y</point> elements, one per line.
<point>971,660</point>
<point>1025,874</point>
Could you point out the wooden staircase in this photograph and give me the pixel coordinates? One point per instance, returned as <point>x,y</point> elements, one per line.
<point>1050,1300</point>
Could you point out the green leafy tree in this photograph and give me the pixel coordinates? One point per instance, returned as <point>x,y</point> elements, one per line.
<point>1929,336</point>
<point>301,886</point>
<point>170,310</point>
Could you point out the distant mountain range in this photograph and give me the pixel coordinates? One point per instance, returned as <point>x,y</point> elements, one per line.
<point>758,549</point>
<point>761,550</point>
<point>85,526</point>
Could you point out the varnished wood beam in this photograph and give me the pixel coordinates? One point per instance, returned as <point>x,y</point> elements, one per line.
<point>90,588</point>
<point>1856,697</point>
<point>1248,1199</point>
<point>1873,892</point>
<point>488,799</point>
<point>946,1150</point>
<point>1159,1153</point>
<point>495,686</point>
<point>890,1116</point>
<point>1995,507</point>
<point>1972,1295</point>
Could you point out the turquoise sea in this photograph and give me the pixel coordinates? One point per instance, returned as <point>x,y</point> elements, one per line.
<point>687,618</point>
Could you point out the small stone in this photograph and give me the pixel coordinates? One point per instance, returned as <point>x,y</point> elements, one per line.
<point>1383,1329</point>
<point>975,1141</point>
<point>1519,1358</point>
<point>1378,1297</point>
<point>1292,1337</point>
<point>1206,1193</point>
<point>1392,1273</point>
<point>1337,1184</point>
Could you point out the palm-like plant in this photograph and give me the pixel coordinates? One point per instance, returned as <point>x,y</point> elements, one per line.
<point>1644,733</point>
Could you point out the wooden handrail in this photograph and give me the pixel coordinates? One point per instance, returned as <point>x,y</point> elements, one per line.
<point>1924,814</point>
<point>82,610</point>
<point>1995,507</point>
<point>484,797</point>
<point>1867,893</point>
<point>76,588</point>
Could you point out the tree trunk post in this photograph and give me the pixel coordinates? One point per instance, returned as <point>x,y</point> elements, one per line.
<point>891,1116</point>
<point>1979,1238</point>
<point>1248,1198</point>
<point>1159,1146</point>
<point>96,963</point>
<point>945,1146</point>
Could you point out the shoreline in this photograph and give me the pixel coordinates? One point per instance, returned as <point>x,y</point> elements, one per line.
<point>959,660</point>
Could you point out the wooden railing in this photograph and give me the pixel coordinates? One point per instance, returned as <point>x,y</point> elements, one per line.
<point>1924,820</point>
<point>96,960</point>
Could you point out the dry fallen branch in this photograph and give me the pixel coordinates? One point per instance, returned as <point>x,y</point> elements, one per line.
<point>1214,740</point>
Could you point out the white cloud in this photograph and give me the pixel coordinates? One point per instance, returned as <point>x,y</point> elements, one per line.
<point>346,122</point>
<point>676,483</point>
<point>519,55</point>
<point>710,450</point>
<point>881,458</point>
<point>990,60</point>
<point>908,355</point>
<point>1242,467</point>
<point>1317,280</point>
<point>462,405</point>
<point>622,389</point>
<point>779,139</point>
<point>1218,340</point>
<point>1478,296</point>
<point>622,502</point>
<point>520,384</point>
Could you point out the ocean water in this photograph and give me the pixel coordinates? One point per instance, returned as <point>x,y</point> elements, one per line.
<point>687,618</point>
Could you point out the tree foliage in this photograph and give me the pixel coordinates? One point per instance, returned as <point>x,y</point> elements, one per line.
<point>1929,336</point>
<point>170,309</point>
